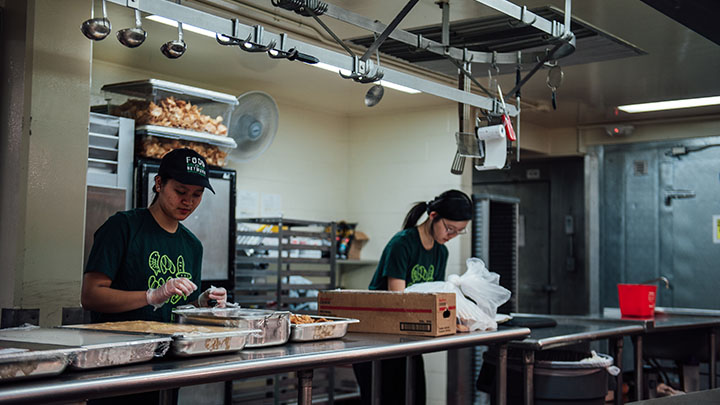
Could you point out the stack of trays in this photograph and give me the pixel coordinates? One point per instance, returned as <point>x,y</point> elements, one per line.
<point>86,349</point>
<point>274,325</point>
<point>24,360</point>
<point>187,340</point>
<point>322,328</point>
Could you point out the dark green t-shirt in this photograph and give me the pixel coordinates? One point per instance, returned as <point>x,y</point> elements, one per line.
<point>404,257</point>
<point>137,254</point>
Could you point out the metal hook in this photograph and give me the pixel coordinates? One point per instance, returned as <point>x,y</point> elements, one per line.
<point>363,77</point>
<point>250,46</point>
<point>522,16</point>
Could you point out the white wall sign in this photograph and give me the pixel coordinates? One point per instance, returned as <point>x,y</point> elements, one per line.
<point>271,205</point>
<point>247,203</point>
<point>716,228</point>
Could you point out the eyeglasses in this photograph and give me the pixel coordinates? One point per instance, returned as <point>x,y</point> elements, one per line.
<point>452,231</point>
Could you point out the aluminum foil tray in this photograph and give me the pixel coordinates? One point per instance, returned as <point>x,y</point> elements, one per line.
<point>101,349</point>
<point>187,340</point>
<point>19,360</point>
<point>274,325</point>
<point>334,328</point>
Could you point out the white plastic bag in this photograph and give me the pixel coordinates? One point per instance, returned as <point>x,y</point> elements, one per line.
<point>483,289</point>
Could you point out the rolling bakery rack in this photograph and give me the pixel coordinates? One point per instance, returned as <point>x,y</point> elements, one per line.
<point>281,264</point>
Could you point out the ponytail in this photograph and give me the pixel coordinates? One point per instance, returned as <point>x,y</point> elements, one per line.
<point>452,204</point>
<point>414,214</point>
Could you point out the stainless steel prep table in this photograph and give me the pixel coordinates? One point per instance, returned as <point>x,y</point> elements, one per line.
<point>302,357</point>
<point>611,325</point>
<point>571,330</point>
<point>673,320</point>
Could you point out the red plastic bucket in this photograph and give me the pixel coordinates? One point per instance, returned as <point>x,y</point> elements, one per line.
<point>637,299</point>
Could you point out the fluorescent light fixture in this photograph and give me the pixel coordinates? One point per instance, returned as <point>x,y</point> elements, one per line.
<point>186,26</point>
<point>331,68</point>
<point>670,104</point>
<point>398,87</point>
<point>385,83</point>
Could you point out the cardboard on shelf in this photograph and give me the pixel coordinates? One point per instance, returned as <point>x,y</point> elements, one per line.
<point>359,240</point>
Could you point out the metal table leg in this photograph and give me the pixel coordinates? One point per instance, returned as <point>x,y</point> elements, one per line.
<point>713,359</point>
<point>409,381</point>
<point>376,381</point>
<point>617,345</point>
<point>501,377</point>
<point>528,370</point>
<point>639,380</point>
<point>165,397</point>
<point>305,387</point>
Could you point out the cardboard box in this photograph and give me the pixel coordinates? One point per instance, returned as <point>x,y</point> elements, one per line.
<point>356,245</point>
<point>424,314</point>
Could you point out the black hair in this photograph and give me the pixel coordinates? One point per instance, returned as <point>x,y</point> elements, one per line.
<point>452,204</point>
<point>163,180</point>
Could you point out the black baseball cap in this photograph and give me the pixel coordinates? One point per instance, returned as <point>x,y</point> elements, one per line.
<point>185,166</point>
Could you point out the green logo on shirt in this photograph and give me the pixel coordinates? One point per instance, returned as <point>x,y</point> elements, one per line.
<point>164,269</point>
<point>419,274</point>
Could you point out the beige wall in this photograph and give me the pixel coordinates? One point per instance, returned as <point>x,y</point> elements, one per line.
<point>14,144</point>
<point>396,160</point>
<point>49,233</point>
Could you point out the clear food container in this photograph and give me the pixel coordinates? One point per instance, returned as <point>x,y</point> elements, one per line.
<point>170,115</point>
<point>154,141</point>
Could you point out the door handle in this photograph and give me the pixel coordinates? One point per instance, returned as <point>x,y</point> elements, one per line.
<point>677,194</point>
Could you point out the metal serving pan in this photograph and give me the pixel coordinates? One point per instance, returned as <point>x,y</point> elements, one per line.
<point>24,360</point>
<point>102,349</point>
<point>274,325</point>
<point>187,340</point>
<point>333,329</point>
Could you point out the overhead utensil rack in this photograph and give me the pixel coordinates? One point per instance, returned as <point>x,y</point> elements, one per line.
<point>258,37</point>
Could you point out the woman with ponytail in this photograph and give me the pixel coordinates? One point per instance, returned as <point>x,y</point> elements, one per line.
<point>416,254</point>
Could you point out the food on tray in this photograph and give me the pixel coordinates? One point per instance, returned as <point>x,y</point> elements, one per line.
<point>170,113</point>
<point>152,327</point>
<point>301,319</point>
<point>156,147</point>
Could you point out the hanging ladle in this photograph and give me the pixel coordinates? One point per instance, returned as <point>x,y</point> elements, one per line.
<point>97,28</point>
<point>175,49</point>
<point>133,37</point>
<point>554,81</point>
<point>376,92</point>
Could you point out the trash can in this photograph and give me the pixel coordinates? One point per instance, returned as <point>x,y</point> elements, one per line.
<point>559,377</point>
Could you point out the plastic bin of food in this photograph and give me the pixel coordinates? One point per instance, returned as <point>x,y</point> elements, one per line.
<point>159,102</point>
<point>169,115</point>
<point>274,325</point>
<point>101,349</point>
<point>188,340</point>
<point>308,328</point>
<point>154,141</point>
<point>20,360</point>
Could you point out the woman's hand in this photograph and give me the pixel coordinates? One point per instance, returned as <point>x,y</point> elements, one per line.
<point>180,286</point>
<point>218,294</point>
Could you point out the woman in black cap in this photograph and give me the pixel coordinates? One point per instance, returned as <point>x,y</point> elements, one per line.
<point>144,262</point>
<point>416,254</point>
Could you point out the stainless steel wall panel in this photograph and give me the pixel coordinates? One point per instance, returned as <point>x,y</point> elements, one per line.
<point>645,234</point>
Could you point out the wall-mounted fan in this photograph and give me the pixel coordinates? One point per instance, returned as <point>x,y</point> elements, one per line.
<point>253,125</point>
